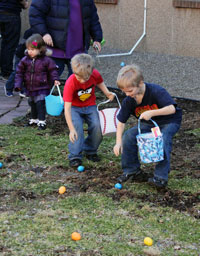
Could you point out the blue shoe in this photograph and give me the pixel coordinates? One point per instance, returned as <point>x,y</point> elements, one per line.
<point>8,94</point>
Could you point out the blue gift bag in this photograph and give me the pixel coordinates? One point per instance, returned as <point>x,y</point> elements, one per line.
<point>54,104</point>
<point>150,147</point>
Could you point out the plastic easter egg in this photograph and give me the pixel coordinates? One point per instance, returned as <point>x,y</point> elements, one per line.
<point>75,236</point>
<point>62,190</point>
<point>148,241</point>
<point>118,186</point>
<point>103,42</point>
<point>122,64</point>
<point>1,165</point>
<point>81,168</point>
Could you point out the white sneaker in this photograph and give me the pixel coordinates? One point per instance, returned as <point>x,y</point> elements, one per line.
<point>32,122</point>
<point>41,125</point>
<point>22,94</point>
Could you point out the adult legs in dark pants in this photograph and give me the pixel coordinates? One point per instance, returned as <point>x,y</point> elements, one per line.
<point>61,66</point>
<point>9,87</point>
<point>10,26</point>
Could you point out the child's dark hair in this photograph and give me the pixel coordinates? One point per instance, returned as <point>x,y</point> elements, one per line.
<point>36,41</point>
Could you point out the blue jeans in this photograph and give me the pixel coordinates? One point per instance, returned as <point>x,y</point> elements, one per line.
<point>91,143</point>
<point>61,65</point>
<point>130,161</point>
<point>10,27</point>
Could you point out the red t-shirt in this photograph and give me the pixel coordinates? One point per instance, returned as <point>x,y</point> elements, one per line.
<point>82,94</point>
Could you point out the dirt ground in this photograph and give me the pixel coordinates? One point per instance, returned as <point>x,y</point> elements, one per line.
<point>185,162</point>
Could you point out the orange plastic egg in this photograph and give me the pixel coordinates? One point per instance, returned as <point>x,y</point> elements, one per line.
<point>75,236</point>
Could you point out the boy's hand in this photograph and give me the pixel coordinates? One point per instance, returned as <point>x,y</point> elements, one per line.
<point>110,96</point>
<point>73,136</point>
<point>56,82</point>
<point>117,149</point>
<point>146,115</point>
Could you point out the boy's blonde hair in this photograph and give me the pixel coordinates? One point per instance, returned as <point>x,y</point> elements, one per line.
<point>129,76</point>
<point>36,41</point>
<point>82,65</point>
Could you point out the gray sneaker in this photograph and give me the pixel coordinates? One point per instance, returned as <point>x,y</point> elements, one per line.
<point>134,176</point>
<point>157,182</point>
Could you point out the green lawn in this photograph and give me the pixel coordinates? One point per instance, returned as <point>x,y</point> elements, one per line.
<point>36,221</point>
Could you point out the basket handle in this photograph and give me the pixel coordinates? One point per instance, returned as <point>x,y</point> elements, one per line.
<point>104,102</point>
<point>139,130</point>
<point>61,100</point>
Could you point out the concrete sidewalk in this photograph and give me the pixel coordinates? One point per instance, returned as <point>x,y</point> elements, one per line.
<point>11,107</point>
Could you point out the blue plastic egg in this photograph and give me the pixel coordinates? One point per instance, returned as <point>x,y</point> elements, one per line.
<point>118,185</point>
<point>1,165</point>
<point>122,64</point>
<point>81,168</point>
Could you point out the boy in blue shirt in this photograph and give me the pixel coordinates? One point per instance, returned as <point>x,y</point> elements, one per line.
<point>144,101</point>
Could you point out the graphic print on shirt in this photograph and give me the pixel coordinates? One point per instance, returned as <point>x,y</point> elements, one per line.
<point>83,95</point>
<point>141,109</point>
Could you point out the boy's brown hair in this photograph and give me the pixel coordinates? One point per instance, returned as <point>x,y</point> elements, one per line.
<point>36,41</point>
<point>82,65</point>
<point>129,76</point>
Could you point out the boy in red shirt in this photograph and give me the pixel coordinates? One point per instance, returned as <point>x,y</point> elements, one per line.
<point>80,105</point>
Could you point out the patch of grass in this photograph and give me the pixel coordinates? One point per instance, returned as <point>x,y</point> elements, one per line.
<point>39,147</point>
<point>187,184</point>
<point>195,132</point>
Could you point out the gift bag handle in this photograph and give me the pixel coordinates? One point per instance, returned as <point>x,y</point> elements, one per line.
<point>104,102</point>
<point>139,130</point>
<point>61,100</point>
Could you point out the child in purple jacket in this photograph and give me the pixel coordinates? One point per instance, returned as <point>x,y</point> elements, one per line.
<point>37,73</point>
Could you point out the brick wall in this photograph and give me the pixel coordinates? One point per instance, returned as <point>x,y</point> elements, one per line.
<point>186,4</point>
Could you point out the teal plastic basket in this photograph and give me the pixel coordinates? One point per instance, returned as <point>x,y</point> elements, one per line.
<point>150,147</point>
<point>54,104</point>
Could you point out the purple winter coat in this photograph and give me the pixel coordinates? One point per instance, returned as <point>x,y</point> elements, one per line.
<point>36,74</point>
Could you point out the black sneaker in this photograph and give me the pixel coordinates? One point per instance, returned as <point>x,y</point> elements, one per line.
<point>94,157</point>
<point>134,176</point>
<point>157,182</point>
<point>75,162</point>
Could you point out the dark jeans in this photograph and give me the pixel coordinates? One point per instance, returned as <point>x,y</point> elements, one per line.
<point>38,110</point>
<point>10,27</point>
<point>130,161</point>
<point>61,65</point>
<point>11,80</point>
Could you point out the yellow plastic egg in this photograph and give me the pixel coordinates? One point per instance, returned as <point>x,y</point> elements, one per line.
<point>62,190</point>
<point>148,241</point>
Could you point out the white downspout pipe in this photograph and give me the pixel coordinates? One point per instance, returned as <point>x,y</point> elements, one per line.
<point>139,40</point>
